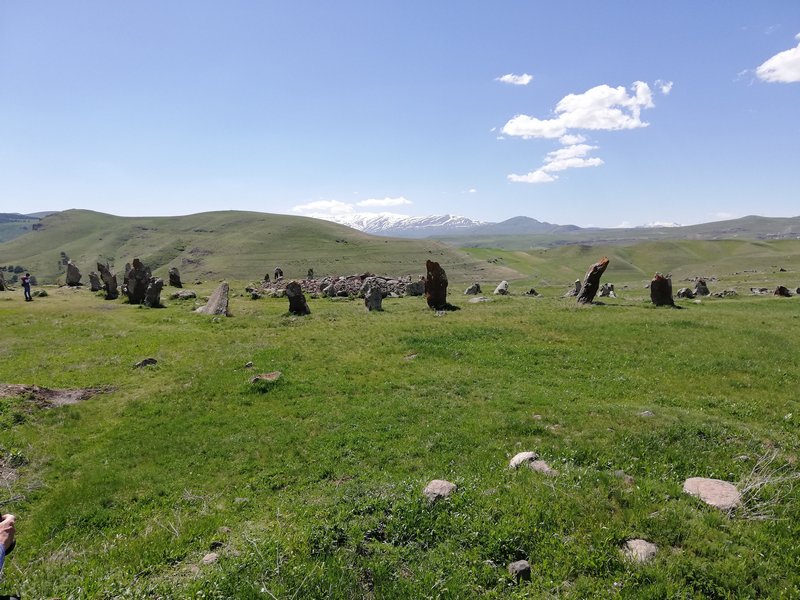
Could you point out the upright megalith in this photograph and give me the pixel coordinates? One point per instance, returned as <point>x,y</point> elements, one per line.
<point>109,281</point>
<point>137,278</point>
<point>218,302</point>
<point>782,291</point>
<point>95,284</point>
<point>297,300</point>
<point>3,285</point>
<point>73,278</point>
<point>373,298</point>
<point>661,291</point>
<point>152,295</point>
<point>701,288</point>
<point>436,287</point>
<point>473,290</point>
<point>607,291</point>
<point>574,290</point>
<point>175,277</point>
<point>591,282</point>
<point>501,289</point>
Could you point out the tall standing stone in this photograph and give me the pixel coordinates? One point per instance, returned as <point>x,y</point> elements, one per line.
<point>701,288</point>
<point>218,302</point>
<point>501,289</point>
<point>152,295</point>
<point>73,274</point>
<point>661,291</point>
<point>473,290</point>
<point>94,282</point>
<point>109,281</point>
<point>3,286</point>
<point>137,279</point>
<point>175,277</point>
<point>297,300</point>
<point>435,286</point>
<point>591,282</point>
<point>373,297</point>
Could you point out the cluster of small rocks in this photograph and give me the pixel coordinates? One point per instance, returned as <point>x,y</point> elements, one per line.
<point>352,286</point>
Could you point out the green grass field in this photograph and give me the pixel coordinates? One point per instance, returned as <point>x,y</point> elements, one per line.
<point>312,487</point>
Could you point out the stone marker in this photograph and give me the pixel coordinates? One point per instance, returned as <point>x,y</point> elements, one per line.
<point>218,302</point>
<point>473,290</point>
<point>137,278</point>
<point>532,292</point>
<point>95,284</point>
<point>701,288</point>
<point>522,458</point>
<point>175,277</point>
<point>438,489</point>
<point>183,295</point>
<point>638,550</point>
<point>782,291</point>
<point>574,290</point>
<point>591,282</point>
<point>661,290</point>
<point>607,291</point>
<point>520,570</point>
<point>685,293</point>
<point>152,295</point>
<point>373,298</point>
<point>501,289</point>
<point>714,492</point>
<point>436,287</point>
<point>297,300</point>
<point>415,288</point>
<point>109,281</point>
<point>3,286</point>
<point>73,278</point>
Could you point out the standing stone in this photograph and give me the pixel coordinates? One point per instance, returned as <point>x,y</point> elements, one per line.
<point>574,290</point>
<point>473,290</point>
<point>415,288</point>
<point>94,282</point>
<point>73,274</point>
<point>218,302</point>
<point>3,286</point>
<point>175,277</point>
<point>136,281</point>
<point>297,300</point>
<point>436,286</point>
<point>782,291</point>
<point>152,295</point>
<point>501,289</point>
<point>661,291</point>
<point>591,282</point>
<point>685,293</point>
<point>373,298</point>
<point>109,281</point>
<point>701,288</point>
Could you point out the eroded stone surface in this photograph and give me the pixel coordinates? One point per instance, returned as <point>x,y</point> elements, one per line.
<point>520,569</point>
<point>438,489</point>
<point>715,492</point>
<point>218,302</point>
<point>522,458</point>
<point>640,551</point>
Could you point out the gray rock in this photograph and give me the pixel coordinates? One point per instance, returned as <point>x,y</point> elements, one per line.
<point>520,570</point>
<point>607,291</point>
<point>522,458</point>
<point>297,300</point>
<point>94,282</point>
<point>701,288</point>
<point>638,550</point>
<point>73,274</point>
<point>685,293</point>
<point>647,413</point>
<point>152,295</point>
<point>438,489</point>
<point>210,558</point>
<point>542,467</point>
<point>574,291</point>
<point>218,302</point>
<point>478,300</point>
<point>373,298</point>
<point>501,289</point>
<point>715,492</point>
<point>183,295</point>
<point>415,288</point>
<point>175,277</point>
<point>109,281</point>
<point>3,285</point>
<point>473,290</point>
<point>137,278</point>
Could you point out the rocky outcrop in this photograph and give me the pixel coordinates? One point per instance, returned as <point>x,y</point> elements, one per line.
<point>109,281</point>
<point>344,287</point>
<point>218,302</point>
<point>297,300</point>
<point>73,277</point>
<point>175,277</point>
<point>782,291</point>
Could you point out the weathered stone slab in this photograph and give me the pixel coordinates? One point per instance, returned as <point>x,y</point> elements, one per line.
<point>473,290</point>
<point>591,282</point>
<point>438,489</point>
<point>218,302</point>
<point>715,492</point>
<point>175,277</point>
<point>152,295</point>
<point>137,278</point>
<point>661,290</point>
<point>73,277</point>
<point>109,281</point>
<point>501,289</point>
<point>638,550</point>
<point>297,300</point>
<point>95,284</point>
<point>373,298</point>
<point>522,458</point>
<point>520,570</point>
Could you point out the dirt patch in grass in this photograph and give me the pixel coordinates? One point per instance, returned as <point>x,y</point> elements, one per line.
<point>47,398</point>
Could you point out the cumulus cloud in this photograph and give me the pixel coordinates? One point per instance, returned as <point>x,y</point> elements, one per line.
<point>384,202</point>
<point>601,108</point>
<point>784,67</point>
<point>512,79</point>
<point>327,207</point>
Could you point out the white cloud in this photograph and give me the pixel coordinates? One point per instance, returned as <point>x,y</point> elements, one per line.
<point>472,191</point>
<point>665,87</point>
<point>538,176</point>
<point>384,202</point>
<point>569,157</point>
<point>512,79</point>
<point>328,207</point>
<point>784,67</point>
<point>570,139</point>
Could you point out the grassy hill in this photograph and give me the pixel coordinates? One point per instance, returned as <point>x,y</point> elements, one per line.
<point>227,244</point>
<point>13,225</point>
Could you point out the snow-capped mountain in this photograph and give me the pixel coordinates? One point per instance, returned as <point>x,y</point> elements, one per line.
<point>656,224</point>
<point>405,226</point>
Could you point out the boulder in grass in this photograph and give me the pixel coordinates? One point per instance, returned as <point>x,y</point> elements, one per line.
<point>640,551</point>
<point>438,489</point>
<point>520,570</point>
<point>661,290</point>
<point>701,288</point>
<point>265,377</point>
<point>175,277</point>
<point>542,467</point>
<point>782,291</point>
<point>714,492</point>
<point>522,458</point>
<point>152,295</point>
<point>473,290</point>
<point>218,302</point>
<point>501,289</point>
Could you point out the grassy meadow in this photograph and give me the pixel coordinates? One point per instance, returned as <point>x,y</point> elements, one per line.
<point>311,487</point>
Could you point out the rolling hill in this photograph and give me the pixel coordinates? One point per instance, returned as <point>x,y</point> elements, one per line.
<point>227,244</point>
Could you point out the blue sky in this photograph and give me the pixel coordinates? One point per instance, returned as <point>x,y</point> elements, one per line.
<point>609,112</point>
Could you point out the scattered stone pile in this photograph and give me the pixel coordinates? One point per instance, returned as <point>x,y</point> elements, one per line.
<point>344,287</point>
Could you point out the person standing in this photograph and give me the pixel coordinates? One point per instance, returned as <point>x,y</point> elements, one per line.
<point>26,286</point>
<point>7,541</point>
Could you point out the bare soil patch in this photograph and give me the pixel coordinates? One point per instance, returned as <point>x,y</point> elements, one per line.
<point>47,398</point>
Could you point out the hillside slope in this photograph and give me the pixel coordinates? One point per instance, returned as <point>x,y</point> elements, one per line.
<point>228,244</point>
